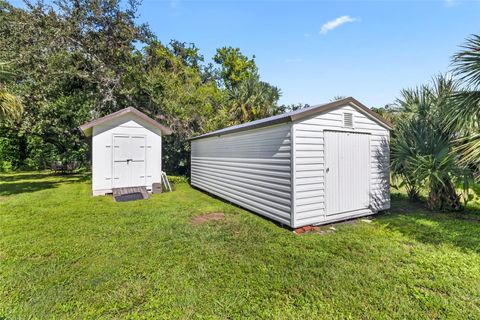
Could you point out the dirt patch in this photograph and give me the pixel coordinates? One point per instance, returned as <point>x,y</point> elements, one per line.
<point>315,229</point>
<point>215,216</point>
<point>330,228</point>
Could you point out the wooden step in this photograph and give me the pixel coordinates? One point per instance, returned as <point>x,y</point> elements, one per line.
<point>130,194</point>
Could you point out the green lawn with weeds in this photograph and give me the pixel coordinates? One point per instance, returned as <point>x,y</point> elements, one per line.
<point>65,254</point>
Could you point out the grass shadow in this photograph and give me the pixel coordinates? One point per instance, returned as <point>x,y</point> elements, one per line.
<point>414,221</point>
<point>18,183</point>
<point>15,177</point>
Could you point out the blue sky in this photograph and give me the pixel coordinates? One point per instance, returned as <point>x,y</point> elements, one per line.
<point>368,49</point>
<point>382,46</point>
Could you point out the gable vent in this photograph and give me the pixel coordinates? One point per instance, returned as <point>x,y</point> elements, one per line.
<point>348,120</point>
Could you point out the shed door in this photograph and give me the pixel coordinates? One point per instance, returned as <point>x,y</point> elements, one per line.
<point>128,161</point>
<point>347,171</point>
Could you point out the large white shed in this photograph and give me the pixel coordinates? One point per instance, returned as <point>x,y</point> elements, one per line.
<point>126,150</point>
<point>316,165</point>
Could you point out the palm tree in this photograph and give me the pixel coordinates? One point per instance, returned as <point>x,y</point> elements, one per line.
<point>422,146</point>
<point>10,105</point>
<point>252,99</point>
<point>465,112</point>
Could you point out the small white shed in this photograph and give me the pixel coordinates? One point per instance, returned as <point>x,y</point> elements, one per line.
<point>126,150</point>
<point>312,166</point>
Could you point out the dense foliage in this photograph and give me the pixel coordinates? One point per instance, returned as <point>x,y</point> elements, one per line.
<point>77,60</point>
<point>436,141</point>
<point>422,146</point>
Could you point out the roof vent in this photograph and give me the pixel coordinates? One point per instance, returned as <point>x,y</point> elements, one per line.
<point>348,120</point>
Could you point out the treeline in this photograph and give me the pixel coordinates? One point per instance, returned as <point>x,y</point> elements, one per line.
<point>64,64</point>
<point>72,61</point>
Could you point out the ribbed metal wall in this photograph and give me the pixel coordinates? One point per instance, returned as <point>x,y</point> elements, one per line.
<point>250,168</point>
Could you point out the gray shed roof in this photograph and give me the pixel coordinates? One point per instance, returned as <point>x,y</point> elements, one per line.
<point>87,127</point>
<point>297,115</point>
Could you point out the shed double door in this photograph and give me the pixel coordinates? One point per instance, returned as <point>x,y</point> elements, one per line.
<point>347,172</point>
<point>129,161</point>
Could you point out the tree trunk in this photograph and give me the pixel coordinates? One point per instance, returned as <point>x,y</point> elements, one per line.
<point>443,197</point>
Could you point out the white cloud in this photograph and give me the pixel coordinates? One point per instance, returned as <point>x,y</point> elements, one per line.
<point>307,35</point>
<point>330,25</point>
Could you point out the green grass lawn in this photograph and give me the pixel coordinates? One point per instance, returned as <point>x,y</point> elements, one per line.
<point>65,254</point>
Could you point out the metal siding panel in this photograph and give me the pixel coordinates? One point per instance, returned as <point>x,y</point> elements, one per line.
<point>251,169</point>
<point>278,199</point>
<point>262,172</point>
<point>251,181</point>
<point>252,177</point>
<point>293,194</point>
<point>249,204</point>
<point>380,173</point>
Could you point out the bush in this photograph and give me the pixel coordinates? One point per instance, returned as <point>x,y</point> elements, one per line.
<point>9,154</point>
<point>177,179</point>
<point>6,166</point>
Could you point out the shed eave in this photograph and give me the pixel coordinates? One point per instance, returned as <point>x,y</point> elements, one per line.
<point>233,130</point>
<point>339,103</point>
<point>87,127</point>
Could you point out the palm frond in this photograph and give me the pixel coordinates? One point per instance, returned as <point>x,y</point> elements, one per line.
<point>465,111</point>
<point>466,63</point>
<point>5,71</point>
<point>469,148</point>
<point>464,115</point>
<point>10,106</point>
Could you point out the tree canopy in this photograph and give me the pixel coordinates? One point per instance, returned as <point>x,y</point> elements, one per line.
<point>78,60</point>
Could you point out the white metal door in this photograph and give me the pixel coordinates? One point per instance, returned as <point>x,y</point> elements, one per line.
<point>347,171</point>
<point>128,161</point>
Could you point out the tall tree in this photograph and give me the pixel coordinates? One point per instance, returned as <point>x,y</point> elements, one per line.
<point>176,94</point>
<point>252,99</point>
<point>188,53</point>
<point>72,61</point>
<point>235,67</point>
